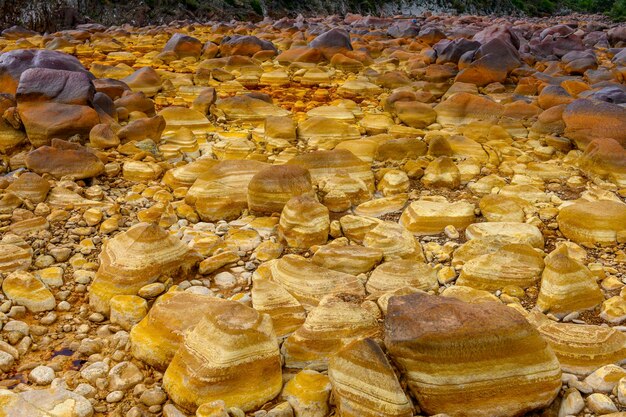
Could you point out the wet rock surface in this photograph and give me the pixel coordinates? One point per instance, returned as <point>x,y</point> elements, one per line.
<point>350,216</point>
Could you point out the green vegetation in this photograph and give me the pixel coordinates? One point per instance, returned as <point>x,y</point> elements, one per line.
<point>256,6</point>
<point>618,11</point>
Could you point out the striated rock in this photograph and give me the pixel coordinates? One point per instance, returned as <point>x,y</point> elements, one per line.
<point>325,133</point>
<point>601,221</point>
<point>231,355</point>
<point>464,108</point>
<point>567,286</point>
<point>30,186</point>
<point>351,259</point>
<point>395,241</point>
<point>271,188</point>
<point>425,217</point>
<point>364,383</point>
<point>442,172</point>
<point>140,171</point>
<point>327,164</point>
<point>186,175</point>
<point>221,191</point>
<point>141,255</point>
<point>513,264</point>
<point>495,349</point>
<point>248,109</point>
<point>304,222</point>
<point>158,336</point>
<point>335,322</point>
<point>396,274</point>
<point>581,348</point>
<point>15,254</point>
<point>271,298</point>
<point>512,232</point>
<point>309,283</point>
<point>500,208</point>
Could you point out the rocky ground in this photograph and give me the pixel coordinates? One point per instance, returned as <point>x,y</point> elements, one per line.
<point>350,217</point>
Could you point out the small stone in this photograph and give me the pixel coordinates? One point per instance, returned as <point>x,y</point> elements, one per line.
<point>153,396</point>
<point>225,280</point>
<point>115,397</point>
<point>604,379</point>
<point>124,376</point>
<point>212,409</point>
<point>6,361</point>
<point>169,410</point>
<point>451,232</point>
<point>41,375</point>
<point>572,404</point>
<point>151,290</point>
<point>601,404</point>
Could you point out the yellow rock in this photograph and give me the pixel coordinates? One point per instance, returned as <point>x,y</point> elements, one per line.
<point>518,232</point>
<point>581,348</point>
<point>364,383</point>
<point>157,337</point>
<point>308,393</point>
<point>132,259</point>
<point>141,171</point>
<point>308,282</point>
<point>351,259</point>
<point>231,354</point>
<point>270,189</point>
<point>128,310</point>
<point>218,261</point>
<point>304,222</point>
<point>268,250</point>
<point>469,294</point>
<point>396,274</point>
<point>513,264</point>
<point>601,221</point>
<point>24,289</point>
<point>335,322</point>
<point>424,217</point>
<point>395,241</point>
<point>271,298</point>
<point>566,286</point>
<point>614,310</point>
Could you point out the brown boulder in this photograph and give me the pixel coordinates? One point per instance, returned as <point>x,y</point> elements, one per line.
<point>44,121</point>
<point>470,360</point>
<point>586,120</point>
<point>64,159</point>
<point>183,46</point>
